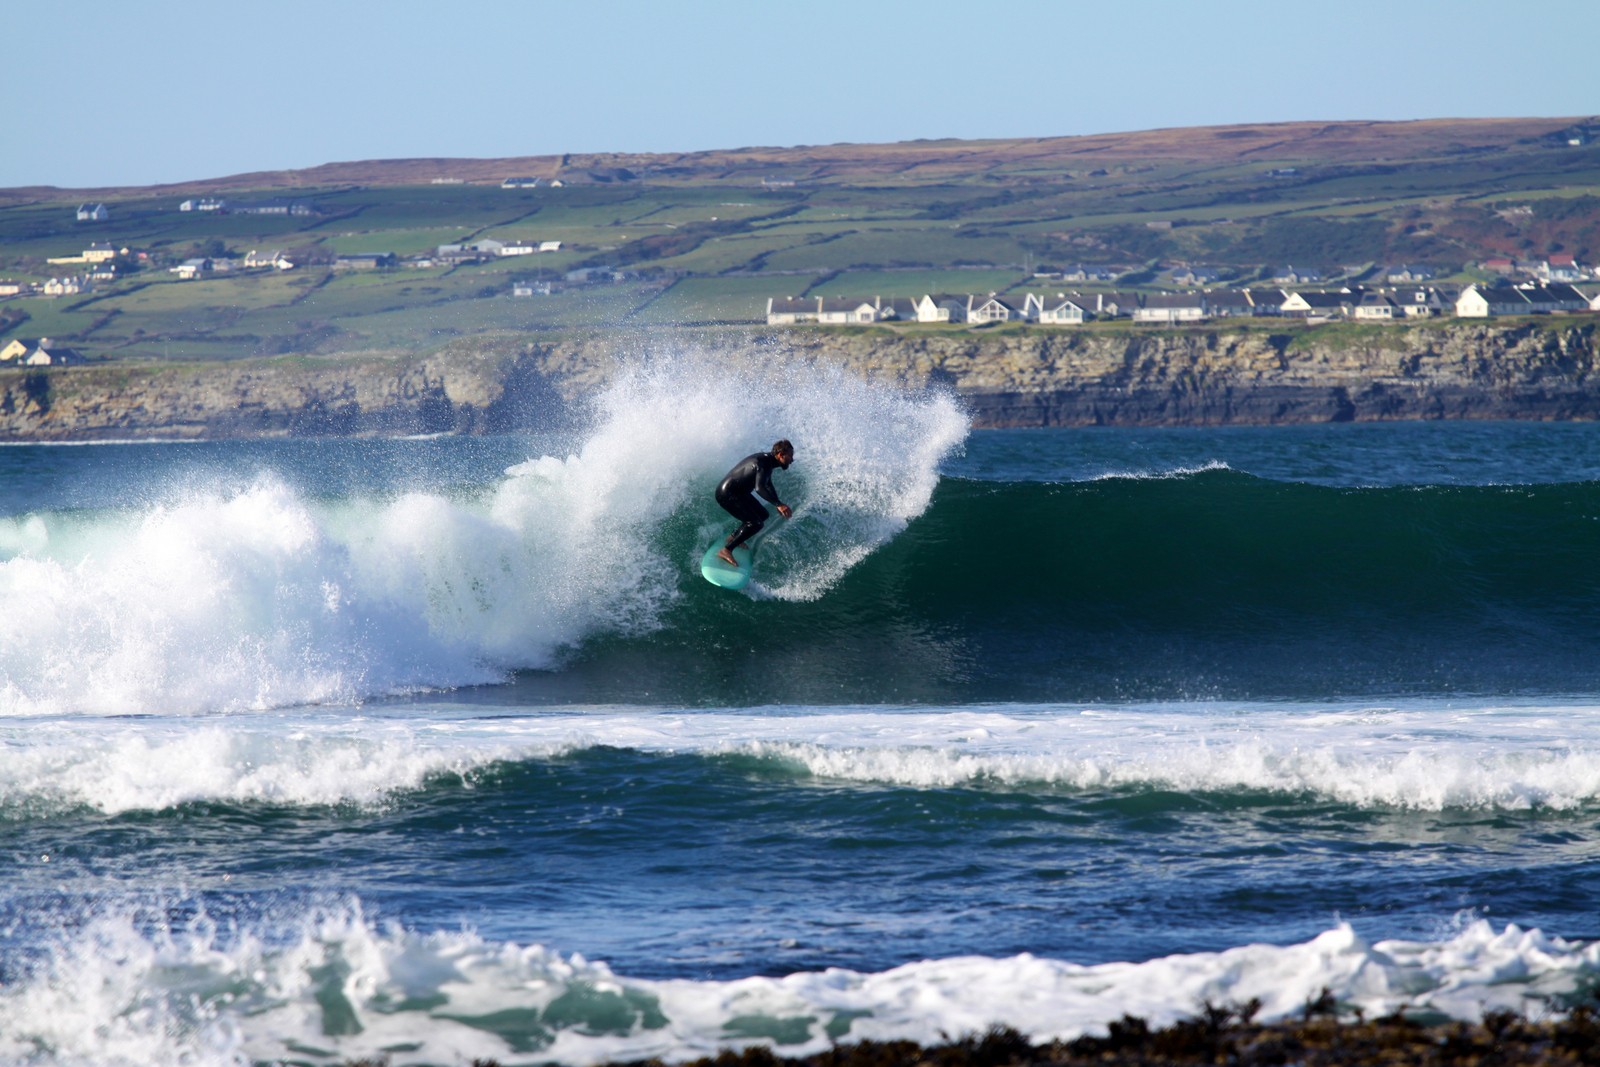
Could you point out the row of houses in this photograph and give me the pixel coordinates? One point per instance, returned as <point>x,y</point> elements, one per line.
<point>1175,308</point>
<point>248,207</point>
<point>64,286</point>
<point>490,248</point>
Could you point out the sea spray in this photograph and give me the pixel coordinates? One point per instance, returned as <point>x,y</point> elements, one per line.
<point>260,595</point>
<point>331,985</point>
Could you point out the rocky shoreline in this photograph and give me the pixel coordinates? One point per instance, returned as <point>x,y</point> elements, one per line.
<point>1257,374</point>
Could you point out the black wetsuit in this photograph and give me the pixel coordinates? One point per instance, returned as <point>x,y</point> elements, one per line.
<point>751,475</point>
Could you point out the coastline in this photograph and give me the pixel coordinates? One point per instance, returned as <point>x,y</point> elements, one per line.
<point>1254,374</point>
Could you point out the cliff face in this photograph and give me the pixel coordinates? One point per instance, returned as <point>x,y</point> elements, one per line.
<point>1253,374</point>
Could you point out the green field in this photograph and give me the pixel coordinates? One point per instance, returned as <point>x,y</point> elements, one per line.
<point>707,243</point>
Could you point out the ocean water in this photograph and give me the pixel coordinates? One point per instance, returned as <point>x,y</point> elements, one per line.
<point>441,749</point>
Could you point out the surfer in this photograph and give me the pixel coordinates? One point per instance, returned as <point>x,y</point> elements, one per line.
<point>750,477</point>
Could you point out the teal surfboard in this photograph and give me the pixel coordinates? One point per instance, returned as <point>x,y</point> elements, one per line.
<point>719,573</point>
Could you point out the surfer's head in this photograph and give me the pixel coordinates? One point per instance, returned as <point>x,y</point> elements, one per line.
<point>783,452</point>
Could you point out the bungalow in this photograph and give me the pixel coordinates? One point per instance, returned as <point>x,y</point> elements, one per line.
<point>1420,303</point>
<point>941,308</point>
<point>900,308</point>
<point>1552,299</point>
<point>1117,305</point>
<point>93,213</point>
<point>840,310</point>
<point>1561,268</point>
<point>788,310</point>
<point>37,352</point>
<point>61,287</point>
<point>1086,274</point>
<point>529,288</point>
<point>1172,308</point>
<point>365,261</point>
<point>520,183</point>
<point>48,355</point>
<point>99,253</point>
<point>1408,272</point>
<point>1311,304</point>
<point>1498,265</point>
<point>1230,304</point>
<point>1292,275</point>
<point>518,248</point>
<point>274,207</point>
<point>1064,310</point>
<point>991,309</point>
<point>274,258</point>
<point>1480,302</point>
<point>1193,276</point>
<point>1375,306</point>
<point>209,203</point>
<point>13,288</point>
<point>190,268</point>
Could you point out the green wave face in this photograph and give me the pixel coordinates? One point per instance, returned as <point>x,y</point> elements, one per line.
<point>1211,584</point>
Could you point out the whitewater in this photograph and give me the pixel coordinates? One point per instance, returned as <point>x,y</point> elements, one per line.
<point>441,750</point>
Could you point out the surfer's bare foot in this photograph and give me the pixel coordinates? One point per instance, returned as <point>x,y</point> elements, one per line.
<point>727,557</point>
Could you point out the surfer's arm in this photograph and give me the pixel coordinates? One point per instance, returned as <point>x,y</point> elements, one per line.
<point>765,491</point>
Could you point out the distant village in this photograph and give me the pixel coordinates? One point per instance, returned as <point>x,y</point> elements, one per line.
<point>1522,288</point>
<point>1554,285</point>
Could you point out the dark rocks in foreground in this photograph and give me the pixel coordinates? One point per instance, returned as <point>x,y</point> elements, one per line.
<point>1229,1036</point>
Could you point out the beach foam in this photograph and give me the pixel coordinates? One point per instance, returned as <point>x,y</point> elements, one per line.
<point>339,986</point>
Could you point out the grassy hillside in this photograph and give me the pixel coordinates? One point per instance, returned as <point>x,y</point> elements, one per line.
<point>706,237</point>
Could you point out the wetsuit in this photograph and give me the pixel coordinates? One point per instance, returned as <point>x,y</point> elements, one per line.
<point>751,475</point>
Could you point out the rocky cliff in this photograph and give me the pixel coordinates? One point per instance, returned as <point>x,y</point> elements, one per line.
<point>1009,377</point>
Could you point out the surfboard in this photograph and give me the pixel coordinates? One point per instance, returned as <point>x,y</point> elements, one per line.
<point>717,572</point>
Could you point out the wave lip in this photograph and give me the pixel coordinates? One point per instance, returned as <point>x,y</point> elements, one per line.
<point>345,988</point>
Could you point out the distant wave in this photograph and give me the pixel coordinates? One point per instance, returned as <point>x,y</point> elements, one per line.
<point>334,986</point>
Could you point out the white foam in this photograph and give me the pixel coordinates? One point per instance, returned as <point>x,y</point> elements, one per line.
<point>257,596</point>
<point>338,987</point>
<point>1422,757</point>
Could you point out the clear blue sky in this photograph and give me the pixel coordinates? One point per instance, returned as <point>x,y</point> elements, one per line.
<point>109,92</point>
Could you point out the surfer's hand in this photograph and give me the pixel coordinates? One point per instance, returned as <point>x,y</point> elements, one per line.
<point>785,510</point>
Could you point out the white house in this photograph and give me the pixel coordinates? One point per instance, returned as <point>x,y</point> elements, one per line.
<point>839,310</point>
<point>275,258</point>
<point>209,203</point>
<point>941,308</point>
<point>1064,310</point>
<point>1481,302</point>
<point>1311,304</point>
<point>13,288</point>
<point>788,310</point>
<point>99,253</point>
<point>518,248</point>
<point>991,309</point>
<point>1375,307</point>
<point>37,352</point>
<point>190,268</point>
<point>61,287</point>
<point>520,183</point>
<point>46,355</point>
<point>93,213</point>
<point>1170,308</point>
